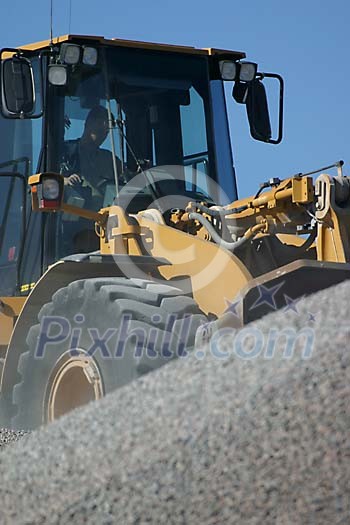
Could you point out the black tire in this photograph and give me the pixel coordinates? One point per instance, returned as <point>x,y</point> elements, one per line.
<point>166,319</point>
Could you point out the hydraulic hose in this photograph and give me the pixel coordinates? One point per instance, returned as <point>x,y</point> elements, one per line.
<point>231,246</point>
<point>309,241</point>
<point>219,213</point>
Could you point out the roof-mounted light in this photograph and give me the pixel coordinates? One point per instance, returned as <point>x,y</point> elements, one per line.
<point>228,69</point>
<point>242,71</point>
<point>57,74</point>
<point>247,71</point>
<point>70,54</point>
<point>90,56</point>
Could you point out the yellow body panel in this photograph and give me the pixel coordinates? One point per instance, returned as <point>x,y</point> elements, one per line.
<point>10,309</point>
<point>216,275</point>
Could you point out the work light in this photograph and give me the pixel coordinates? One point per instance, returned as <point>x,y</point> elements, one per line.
<point>47,191</point>
<point>57,74</point>
<point>50,189</point>
<point>70,54</point>
<point>242,71</point>
<point>90,56</point>
<point>228,69</point>
<point>247,71</point>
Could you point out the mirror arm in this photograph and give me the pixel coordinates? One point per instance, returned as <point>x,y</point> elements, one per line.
<point>281,104</point>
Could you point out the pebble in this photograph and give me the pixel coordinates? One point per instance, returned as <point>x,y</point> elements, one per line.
<point>9,436</point>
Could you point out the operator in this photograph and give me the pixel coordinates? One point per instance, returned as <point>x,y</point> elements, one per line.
<point>85,164</point>
<point>87,169</point>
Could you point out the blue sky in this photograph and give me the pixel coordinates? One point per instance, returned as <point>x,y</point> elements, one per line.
<point>307,42</point>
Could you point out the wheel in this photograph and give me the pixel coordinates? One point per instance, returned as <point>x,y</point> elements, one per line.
<point>99,334</point>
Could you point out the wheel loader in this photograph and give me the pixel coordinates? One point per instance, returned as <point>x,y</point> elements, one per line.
<point>122,239</point>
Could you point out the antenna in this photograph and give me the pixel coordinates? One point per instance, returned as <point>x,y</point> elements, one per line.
<point>70,15</point>
<point>51,38</point>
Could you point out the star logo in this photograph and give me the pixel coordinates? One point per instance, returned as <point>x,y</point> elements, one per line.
<point>267,296</point>
<point>232,307</point>
<point>291,304</point>
<point>312,317</point>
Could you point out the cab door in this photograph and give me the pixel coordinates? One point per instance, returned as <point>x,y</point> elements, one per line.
<point>12,229</point>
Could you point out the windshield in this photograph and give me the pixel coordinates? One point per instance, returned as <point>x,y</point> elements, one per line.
<point>162,104</point>
<point>157,115</point>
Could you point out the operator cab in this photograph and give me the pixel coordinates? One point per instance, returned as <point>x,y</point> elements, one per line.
<point>164,139</point>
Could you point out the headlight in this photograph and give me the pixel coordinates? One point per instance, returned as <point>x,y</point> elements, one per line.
<point>47,191</point>
<point>57,75</point>
<point>90,56</point>
<point>228,69</point>
<point>51,189</point>
<point>247,71</point>
<point>70,54</point>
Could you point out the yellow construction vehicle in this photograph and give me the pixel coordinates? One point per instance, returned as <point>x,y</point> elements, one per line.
<point>114,259</point>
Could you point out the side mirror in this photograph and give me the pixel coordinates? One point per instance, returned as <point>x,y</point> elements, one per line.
<point>17,88</point>
<point>253,95</point>
<point>258,111</point>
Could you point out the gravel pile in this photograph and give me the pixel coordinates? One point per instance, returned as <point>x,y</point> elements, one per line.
<point>9,436</point>
<point>263,440</point>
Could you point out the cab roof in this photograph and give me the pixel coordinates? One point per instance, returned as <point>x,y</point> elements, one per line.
<point>234,55</point>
